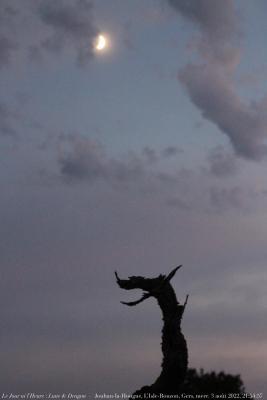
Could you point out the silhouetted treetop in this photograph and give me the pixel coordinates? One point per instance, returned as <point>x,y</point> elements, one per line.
<point>212,382</point>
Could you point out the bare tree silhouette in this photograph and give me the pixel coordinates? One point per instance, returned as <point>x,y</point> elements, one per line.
<point>174,347</point>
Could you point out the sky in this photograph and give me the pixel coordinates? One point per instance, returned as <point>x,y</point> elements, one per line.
<point>147,155</point>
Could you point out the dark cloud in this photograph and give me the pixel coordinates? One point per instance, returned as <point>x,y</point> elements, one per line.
<point>71,24</point>
<point>84,160</point>
<point>210,84</point>
<point>213,17</point>
<point>214,94</point>
<point>81,159</point>
<point>222,164</point>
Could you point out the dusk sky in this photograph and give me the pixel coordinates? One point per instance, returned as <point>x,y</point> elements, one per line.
<point>148,154</point>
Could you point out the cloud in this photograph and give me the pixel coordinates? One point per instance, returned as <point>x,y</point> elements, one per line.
<point>84,160</point>
<point>217,23</point>
<point>222,164</point>
<point>81,159</point>
<point>70,24</point>
<point>214,18</point>
<point>210,83</point>
<point>214,94</point>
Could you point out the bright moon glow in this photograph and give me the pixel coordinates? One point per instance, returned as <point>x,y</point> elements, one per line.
<point>100,43</point>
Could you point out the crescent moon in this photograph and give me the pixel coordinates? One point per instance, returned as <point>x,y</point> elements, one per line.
<point>100,42</point>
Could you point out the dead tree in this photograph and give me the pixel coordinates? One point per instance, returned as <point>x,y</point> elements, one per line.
<point>173,345</point>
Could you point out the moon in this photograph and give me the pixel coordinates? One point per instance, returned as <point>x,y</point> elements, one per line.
<point>100,43</point>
